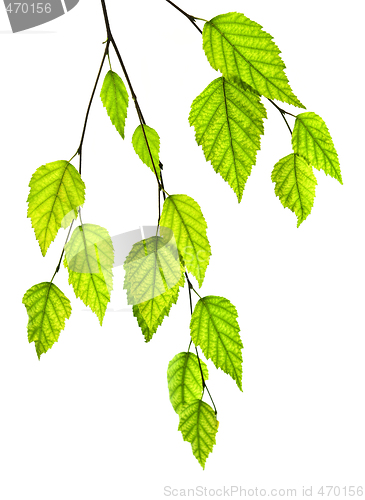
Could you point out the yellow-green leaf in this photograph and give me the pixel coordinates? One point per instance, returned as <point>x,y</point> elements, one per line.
<point>238,47</point>
<point>199,425</point>
<point>47,309</point>
<point>228,121</point>
<point>312,140</point>
<point>184,379</point>
<point>183,216</point>
<point>145,144</point>
<point>215,329</point>
<point>295,185</point>
<point>89,258</point>
<point>153,275</point>
<point>56,189</point>
<point>114,97</point>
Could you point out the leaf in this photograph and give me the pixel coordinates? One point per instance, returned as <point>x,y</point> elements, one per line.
<point>47,309</point>
<point>55,190</point>
<point>184,379</point>
<point>215,329</point>
<point>155,310</point>
<point>238,47</point>
<point>115,98</point>
<point>228,122</point>
<point>89,258</point>
<point>143,150</point>
<point>153,276</point>
<point>199,425</point>
<point>183,216</point>
<point>295,185</point>
<point>312,140</point>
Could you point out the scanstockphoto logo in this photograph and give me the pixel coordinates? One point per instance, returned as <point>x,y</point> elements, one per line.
<point>28,14</point>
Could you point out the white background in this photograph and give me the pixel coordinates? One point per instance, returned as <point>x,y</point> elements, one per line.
<point>92,419</point>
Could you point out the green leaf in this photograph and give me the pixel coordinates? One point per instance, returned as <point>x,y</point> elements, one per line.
<point>295,185</point>
<point>89,258</point>
<point>55,190</point>
<point>312,140</point>
<point>183,216</point>
<point>238,47</point>
<point>114,97</point>
<point>184,379</point>
<point>145,149</point>
<point>153,311</point>
<point>199,425</point>
<point>47,309</point>
<point>228,122</point>
<point>215,329</point>
<point>153,275</point>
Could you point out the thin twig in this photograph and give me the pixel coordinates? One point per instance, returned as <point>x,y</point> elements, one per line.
<point>63,251</point>
<point>134,97</point>
<point>79,150</point>
<point>190,287</point>
<point>283,113</point>
<point>191,18</point>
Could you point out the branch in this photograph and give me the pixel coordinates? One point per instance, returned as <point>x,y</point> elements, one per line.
<point>191,18</point>
<point>134,97</point>
<point>79,150</point>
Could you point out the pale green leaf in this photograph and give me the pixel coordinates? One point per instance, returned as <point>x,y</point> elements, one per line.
<point>228,122</point>
<point>47,309</point>
<point>89,258</point>
<point>312,140</point>
<point>145,148</point>
<point>184,379</point>
<point>199,425</point>
<point>114,97</point>
<point>153,275</point>
<point>215,329</point>
<point>184,217</point>
<point>295,185</point>
<point>238,47</point>
<point>55,190</point>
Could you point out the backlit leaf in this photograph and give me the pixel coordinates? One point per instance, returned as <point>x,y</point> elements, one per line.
<point>153,275</point>
<point>228,122</point>
<point>238,47</point>
<point>312,140</point>
<point>215,329</point>
<point>145,148</point>
<point>89,258</point>
<point>184,379</point>
<point>47,309</point>
<point>199,425</point>
<point>114,97</point>
<point>184,217</point>
<point>295,185</point>
<point>56,189</point>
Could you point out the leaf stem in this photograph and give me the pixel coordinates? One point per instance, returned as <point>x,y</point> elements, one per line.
<point>79,150</point>
<point>191,18</point>
<point>283,113</point>
<point>190,287</point>
<point>134,97</point>
<point>63,249</point>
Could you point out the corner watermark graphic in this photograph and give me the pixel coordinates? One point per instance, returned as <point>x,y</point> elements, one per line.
<point>28,14</point>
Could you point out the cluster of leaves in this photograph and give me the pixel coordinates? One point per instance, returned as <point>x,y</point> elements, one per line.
<point>228,115</point>
<point>228,119</point>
